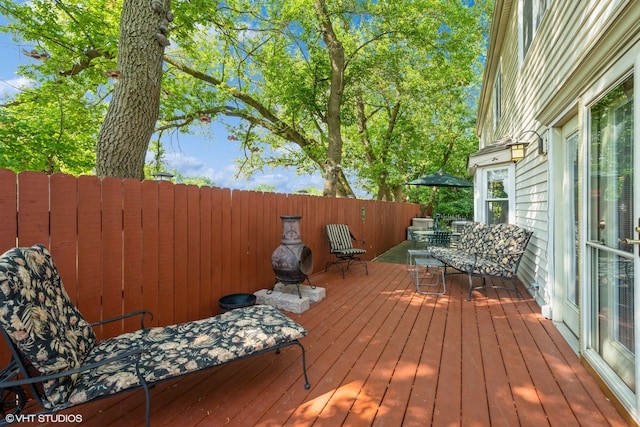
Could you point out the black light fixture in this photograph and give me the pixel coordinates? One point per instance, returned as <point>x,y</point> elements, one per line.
<point>540,140</point>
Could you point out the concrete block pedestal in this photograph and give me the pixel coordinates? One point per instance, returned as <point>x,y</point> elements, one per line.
<point>314,294</point>
<point>285,297</point>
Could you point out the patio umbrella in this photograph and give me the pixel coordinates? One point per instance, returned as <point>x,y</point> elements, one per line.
<point>441,179</point>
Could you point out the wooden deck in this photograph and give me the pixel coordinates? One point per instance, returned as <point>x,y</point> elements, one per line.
<point>379,354</point>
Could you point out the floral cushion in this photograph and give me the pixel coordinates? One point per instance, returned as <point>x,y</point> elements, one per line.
<point>179,349</point>
<point>472,237</point>
<point>454,257</point>
<point>505,244</point>
<point>38,316</point>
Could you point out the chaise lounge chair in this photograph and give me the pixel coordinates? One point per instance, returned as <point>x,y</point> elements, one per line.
<point>55,352</point>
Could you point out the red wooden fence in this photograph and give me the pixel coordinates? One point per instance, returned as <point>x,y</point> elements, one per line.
<point>123,245</point>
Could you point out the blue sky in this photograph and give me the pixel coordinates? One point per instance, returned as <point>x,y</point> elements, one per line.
<point>191,155</point>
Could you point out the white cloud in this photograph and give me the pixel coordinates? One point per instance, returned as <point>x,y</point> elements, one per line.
<point>187,165</point>
<point>284,180</point>
<point>13,86</point>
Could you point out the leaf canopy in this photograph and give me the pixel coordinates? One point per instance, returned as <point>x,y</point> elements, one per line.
<point>411,77</point>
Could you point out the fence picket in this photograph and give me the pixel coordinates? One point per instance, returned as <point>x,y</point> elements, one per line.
<point>168,286</point>
<point>216,245</point>
<point>64,218</point>
<point>181,255</point>
<point>112,253</point>
<point>89,248</point>
<point>193,253</point>
<point>33,208</point>
<point>150,248</point>
<point>9,203</point>
<point>132,251</point>
<point>205,307</point>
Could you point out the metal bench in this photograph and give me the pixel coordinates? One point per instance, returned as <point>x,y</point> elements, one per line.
<point>487,251</point>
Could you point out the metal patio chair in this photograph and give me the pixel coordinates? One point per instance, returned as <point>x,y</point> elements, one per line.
<point>341,245</point>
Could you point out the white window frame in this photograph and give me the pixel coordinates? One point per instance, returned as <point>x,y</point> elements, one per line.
<point>482,177</point>
<point>538,10</point>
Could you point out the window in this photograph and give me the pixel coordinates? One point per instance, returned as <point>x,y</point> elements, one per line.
<point>495,203</point>
<point>497,197</point>
<point>531,12</point>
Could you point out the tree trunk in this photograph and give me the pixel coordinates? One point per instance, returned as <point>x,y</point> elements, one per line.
<point>133,111</point>
<point>333,167</point>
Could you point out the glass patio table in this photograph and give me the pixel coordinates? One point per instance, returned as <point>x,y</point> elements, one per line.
<point>429,273</point>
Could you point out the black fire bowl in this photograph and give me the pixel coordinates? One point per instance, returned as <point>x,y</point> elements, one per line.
<point>229,302</point>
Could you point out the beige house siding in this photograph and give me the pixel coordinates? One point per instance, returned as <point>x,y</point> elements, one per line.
<point>579,51</point>
<point>566,55</point>
<point>546,81</point>
<point>532,212</point>
<point>531,198</point>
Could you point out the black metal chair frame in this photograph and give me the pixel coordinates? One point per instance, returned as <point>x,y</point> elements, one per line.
<point>13,397</point>
<point>440,238</point>
<point>341,245</point>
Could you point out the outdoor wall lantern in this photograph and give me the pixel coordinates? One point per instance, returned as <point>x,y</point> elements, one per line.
<point>517,146</point>
<point>517,150</point>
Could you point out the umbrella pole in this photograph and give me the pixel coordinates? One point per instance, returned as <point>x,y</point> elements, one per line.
<point>433,201</point>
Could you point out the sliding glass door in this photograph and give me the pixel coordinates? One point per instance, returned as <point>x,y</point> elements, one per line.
<point>612,232</point>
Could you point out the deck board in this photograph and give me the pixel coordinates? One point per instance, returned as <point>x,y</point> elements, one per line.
<point>380,354</point>
<point>475,406</point>
<point>502,404</point>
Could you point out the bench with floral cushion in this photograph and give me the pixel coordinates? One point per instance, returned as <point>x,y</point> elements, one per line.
<point>487,251</point>
<point>55,351</point>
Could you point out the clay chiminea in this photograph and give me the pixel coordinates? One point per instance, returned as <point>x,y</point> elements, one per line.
<point>292,260</point>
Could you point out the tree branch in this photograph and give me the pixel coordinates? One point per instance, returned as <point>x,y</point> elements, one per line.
<point>270,120</point>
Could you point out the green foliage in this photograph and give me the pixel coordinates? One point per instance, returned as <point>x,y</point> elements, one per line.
<point>158,163</point>
<point>265,188</point>
<point>51,125</point>
<point>313,191</point>
<point>411,77</point>
<point>49,130</point>
<point>193,180</point>
<point>443,200</point>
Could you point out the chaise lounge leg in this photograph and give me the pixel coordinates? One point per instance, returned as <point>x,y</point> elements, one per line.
<point>147,395</point>
<point>307,386</point>
<point>147,410</point>
<point>470,287</point>
<point>366,269</point>
<point>358,260</point>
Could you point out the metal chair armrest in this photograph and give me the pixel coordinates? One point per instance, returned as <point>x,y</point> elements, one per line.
<point>83,368</point>
<point>141,313</point>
